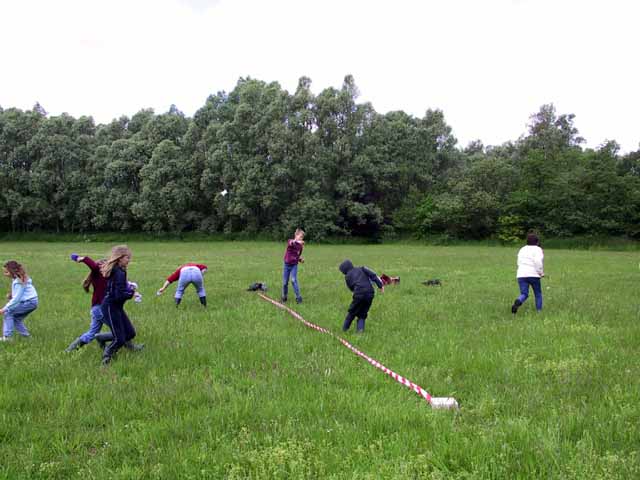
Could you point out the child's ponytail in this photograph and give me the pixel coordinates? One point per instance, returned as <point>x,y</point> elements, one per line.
<point>86,283</point>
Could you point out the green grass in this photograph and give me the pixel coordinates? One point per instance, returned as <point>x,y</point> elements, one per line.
<point>243,390</point>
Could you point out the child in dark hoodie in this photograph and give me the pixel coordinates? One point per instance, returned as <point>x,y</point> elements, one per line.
<point>359,280</point>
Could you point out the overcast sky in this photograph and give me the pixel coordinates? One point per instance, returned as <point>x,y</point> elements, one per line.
<point>487,64</point>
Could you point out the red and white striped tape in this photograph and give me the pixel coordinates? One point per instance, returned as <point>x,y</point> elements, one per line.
<point>435,402</point>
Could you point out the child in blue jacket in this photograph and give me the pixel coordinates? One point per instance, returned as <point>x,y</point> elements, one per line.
<point>23,300</point>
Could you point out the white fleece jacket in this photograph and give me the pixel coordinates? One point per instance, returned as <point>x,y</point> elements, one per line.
<point>530,262</point>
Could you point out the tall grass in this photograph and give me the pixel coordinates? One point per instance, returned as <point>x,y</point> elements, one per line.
<point>242,390</point>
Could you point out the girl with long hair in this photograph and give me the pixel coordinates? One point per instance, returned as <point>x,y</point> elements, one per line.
<point>94,280</point>
<point>23,300</point>
<point>117,293</point>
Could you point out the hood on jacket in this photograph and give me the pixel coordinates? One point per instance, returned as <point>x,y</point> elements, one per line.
<point>346,266</point>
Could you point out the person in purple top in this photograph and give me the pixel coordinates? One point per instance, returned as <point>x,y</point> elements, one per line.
<point>292,257</point>
<point>99,283</point>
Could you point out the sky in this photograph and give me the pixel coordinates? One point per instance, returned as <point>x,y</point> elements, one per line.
<point>487,64</point>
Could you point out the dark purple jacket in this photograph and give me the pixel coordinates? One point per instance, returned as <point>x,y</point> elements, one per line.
<point>359,279</point>
<point>118,290</point>
<point>293,252</point>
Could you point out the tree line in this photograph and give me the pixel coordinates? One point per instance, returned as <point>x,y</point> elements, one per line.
<point>262,160</point>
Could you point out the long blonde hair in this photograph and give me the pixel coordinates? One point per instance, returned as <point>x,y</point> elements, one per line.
<point>16,270</point>
<point>86,283</point>
<point>117,253</point>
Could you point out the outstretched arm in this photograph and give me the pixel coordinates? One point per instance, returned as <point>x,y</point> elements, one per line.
<point>373,276</point>
<point>164,287</point>
<point>88,261</point>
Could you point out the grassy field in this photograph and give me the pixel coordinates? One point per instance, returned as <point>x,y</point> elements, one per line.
<point>242,390</point>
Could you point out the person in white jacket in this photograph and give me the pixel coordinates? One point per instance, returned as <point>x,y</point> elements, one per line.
<point>530,271</point>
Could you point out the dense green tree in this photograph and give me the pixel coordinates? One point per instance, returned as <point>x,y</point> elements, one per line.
<point>167,200</point>
<point>474,201</point>
<point>116,185</point>
<point>261,159</point>
<point>240,160</point>
<point>630,164</point>
<point>18,209</point>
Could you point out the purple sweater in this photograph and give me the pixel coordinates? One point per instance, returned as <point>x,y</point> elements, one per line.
<point>293,252</point>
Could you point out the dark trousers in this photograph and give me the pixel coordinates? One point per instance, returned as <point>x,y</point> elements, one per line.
<point>359,309</point>
<point>121,327</point>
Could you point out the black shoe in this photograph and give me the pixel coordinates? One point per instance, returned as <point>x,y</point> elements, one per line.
<point>76,344</point>
<point>203,301</point>
<point>284,299</point>
<point>134,347</point>
<point>299,300</point>
<point>106,360</point>
<point>515,306</point>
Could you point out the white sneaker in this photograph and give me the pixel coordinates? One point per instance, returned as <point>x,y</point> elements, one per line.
<point>6,339</point>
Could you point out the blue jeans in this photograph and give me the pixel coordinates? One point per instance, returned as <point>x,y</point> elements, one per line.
<point>524,284</point>
<point>190,275</point>
<point>15,318</point>
<point>290,271</point>
<point>97,320</point>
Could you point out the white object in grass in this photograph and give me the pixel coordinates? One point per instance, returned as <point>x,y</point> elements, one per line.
<point>444,402</point>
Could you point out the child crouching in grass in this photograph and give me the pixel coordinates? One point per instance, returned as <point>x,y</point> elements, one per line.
<point>23,300</point>
<point>187,274</point>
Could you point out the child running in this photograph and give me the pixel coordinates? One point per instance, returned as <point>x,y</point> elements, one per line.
<point>359,280</point>
<point>187,274</point>
<point>117,293</point>
<point>292,256</point>
<point>23,300</point>
<point>99,283</point>
<point>530,271</point>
